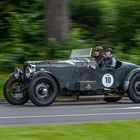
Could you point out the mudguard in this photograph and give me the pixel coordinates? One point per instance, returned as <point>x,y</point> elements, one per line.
<point>43,72</point>
<point>129,77</point>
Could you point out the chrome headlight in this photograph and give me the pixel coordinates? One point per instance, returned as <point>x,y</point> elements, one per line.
<point>29,71</point>
<point>17,73</point>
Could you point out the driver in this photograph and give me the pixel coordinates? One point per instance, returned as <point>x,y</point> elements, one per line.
<point>109,61</point>
<point>99,55</point>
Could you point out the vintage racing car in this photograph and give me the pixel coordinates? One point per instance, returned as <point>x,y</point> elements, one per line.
<point>43,81</point>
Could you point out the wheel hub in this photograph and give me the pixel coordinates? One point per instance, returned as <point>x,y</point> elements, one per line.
<point>137,87</point>
<point>42,90</point>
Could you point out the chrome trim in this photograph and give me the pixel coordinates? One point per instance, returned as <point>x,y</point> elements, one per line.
<point>17,73</point>
<point>30,70</point>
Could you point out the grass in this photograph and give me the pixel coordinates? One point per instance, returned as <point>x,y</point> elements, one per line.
<point>116,130</point>
<point>3,78</point>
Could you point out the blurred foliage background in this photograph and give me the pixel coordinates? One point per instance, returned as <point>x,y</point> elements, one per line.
<point>110,23</point>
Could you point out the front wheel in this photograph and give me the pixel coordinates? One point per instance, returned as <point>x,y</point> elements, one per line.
<point>134,88</point>
<point>43,90</point>
<point>14,91</point>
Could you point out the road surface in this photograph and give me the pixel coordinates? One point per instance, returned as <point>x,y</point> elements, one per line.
<point>68,112</point>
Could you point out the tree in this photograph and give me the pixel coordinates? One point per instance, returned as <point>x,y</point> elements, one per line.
<point>127,23</point>
<point>56,20</point>
<point>87,15</point>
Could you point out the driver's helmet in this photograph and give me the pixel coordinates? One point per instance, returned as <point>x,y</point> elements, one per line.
<point>100,49</point>
<point>109,50</point>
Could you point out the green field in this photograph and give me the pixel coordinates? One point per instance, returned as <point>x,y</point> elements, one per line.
<point>116,130</point>
<point>3,79</point>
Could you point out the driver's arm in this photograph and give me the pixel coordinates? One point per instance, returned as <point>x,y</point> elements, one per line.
<point>113,63</point>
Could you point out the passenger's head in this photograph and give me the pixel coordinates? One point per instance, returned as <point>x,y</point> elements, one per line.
<point>108,52</point>
<point>98,51</point>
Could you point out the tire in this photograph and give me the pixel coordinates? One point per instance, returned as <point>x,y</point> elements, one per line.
<point>10,92</point>
<point>112,99</point>
<point>43,90</point>
<point>134,88</point>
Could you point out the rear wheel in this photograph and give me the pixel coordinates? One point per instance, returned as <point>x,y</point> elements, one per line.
<point>14,91</point>
<point>43,90</point>
<point>134,88</point>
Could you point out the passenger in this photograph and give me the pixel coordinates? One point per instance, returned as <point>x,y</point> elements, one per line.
<point>99,55</point>
<point>109,61</point>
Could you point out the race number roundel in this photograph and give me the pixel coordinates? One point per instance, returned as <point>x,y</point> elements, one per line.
<point>107,80</point>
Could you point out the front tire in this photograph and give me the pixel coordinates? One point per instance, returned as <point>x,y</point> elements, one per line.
<point>14,93</point>
<point>134,88</point>
<point>43,90</point>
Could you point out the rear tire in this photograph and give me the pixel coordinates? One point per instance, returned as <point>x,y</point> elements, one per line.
<point>12,91</point>
<point>134,88</point>
<point>43,90</point>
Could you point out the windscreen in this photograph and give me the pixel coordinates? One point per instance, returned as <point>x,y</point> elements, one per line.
<point>81,53</point>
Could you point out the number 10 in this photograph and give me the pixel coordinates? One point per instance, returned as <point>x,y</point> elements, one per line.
<point>108,79</point>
